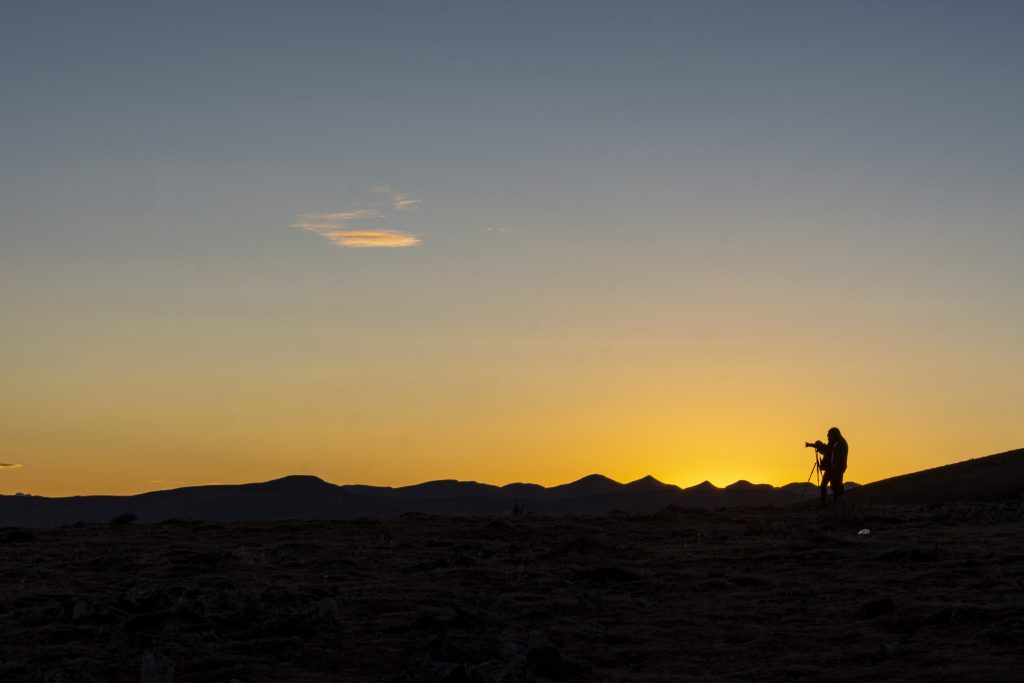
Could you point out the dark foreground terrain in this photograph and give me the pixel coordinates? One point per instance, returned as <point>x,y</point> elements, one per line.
<point>933,593</point>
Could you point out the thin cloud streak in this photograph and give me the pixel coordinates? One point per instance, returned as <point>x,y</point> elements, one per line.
<point>343,216</point>
<point>400,200</point>
<point>372,238</point>
<point>335,227</point>
<point>9,465</point>
<point>404,202</point>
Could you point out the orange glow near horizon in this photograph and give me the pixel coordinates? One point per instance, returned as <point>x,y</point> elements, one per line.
<point>401,421</point>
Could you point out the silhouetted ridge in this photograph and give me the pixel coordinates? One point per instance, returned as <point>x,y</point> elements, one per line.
<point>744,485</point>
<point>649,483</point>
<point>297,483</point>
<point>444,488</point>
<point>587,486</point>
<point>305,497</point>
<point>521,489</point>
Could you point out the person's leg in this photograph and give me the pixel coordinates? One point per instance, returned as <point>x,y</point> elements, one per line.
<point>824,487</point>
<point>836,479</point>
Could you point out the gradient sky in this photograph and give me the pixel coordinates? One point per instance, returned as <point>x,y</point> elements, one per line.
<point>388,242</point>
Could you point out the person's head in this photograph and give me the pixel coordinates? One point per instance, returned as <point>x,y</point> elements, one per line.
<point>833,434</point>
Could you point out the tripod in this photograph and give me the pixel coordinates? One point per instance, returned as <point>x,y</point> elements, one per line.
<point>816,467</point>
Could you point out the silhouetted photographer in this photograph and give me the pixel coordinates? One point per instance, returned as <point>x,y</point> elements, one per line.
<point>832,464</point>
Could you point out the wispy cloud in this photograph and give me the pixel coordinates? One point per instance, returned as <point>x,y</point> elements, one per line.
<point>404,202</point>
<point>336,227</point>
<point>9,465</point>
<point>372,238</point>
<point>400,200</point>
<point>359,228</point>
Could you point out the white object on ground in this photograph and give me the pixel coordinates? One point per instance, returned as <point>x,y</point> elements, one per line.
<point>864,532</point>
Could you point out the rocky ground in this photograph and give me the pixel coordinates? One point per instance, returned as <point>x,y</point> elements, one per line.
<point>932,593</point>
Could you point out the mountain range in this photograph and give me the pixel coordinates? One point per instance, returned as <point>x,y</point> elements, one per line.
<point>309,497</point>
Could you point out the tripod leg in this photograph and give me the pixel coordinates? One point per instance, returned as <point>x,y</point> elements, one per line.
<point>814,467</point>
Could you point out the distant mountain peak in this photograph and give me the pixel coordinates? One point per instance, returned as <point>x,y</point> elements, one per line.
<point>297,482</point>
<point>448,487</point>
<point>744,485</point>
<point>647,483</point>
<point>595,478</point>
<point>298,477</point>
<point>588,485</point>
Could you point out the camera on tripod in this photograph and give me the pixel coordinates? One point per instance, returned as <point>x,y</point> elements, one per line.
<point>817,445</point>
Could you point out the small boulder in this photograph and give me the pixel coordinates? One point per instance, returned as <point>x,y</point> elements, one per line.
<point>326,610</point>
<point>890,649</point>
<point>542,656</point>
<point>157,668</point>
<point>83,611</point>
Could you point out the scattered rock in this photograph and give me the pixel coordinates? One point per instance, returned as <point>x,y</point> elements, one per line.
<point>33,574</point>
<point>114,561</point>
<point>125,518</point>
<point>65,676</point>
<point>542,655</point>
<point>290,551</point>
<point>327,610</point>
<point>890,649</point>
<point>157,668</point>
<point>147,596</point>
<point>83,611</point>
<point>591,600</point>
<point>425,668</point>
<point>210,559</point>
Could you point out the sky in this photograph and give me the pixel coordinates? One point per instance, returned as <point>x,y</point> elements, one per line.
<point>391,242</point>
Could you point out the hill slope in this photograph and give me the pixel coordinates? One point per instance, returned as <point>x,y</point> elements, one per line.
<point>992,477</point>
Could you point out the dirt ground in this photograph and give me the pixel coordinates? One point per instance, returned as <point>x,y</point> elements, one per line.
<point>932,593</point>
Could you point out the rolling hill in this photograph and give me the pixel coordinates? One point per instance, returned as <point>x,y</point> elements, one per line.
<point>303,497</point>
<point>309,497</point>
